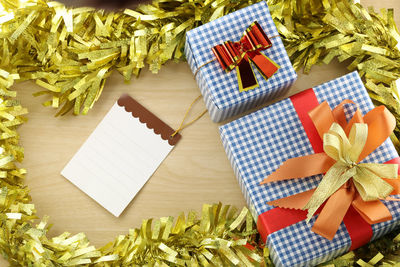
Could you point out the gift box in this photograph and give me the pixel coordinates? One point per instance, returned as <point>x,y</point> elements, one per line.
<point>221,91</point>
<point>259,143</point>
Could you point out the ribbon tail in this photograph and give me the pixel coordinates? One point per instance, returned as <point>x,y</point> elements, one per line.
<point>297,201</point>
<point>265,65</point>
<point>395,183</point>
<point>301,167</point>
<point>372,211</point>
<point>246,78</point>
<point>337,176</point>
<point>332,214</point>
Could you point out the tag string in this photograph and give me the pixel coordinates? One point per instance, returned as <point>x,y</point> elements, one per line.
<point>208,62</point>
<point>182,126</point>
<point>212,60</point>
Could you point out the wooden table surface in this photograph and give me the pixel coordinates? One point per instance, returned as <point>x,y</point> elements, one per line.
<point>197,171</point>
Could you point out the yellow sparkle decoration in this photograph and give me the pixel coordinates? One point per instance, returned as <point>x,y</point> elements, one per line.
<point>72,52</point>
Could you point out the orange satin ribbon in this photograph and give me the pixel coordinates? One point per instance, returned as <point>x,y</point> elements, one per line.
<point>380,123</point>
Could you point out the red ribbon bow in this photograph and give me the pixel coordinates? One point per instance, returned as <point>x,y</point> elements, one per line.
<point>237,55</point>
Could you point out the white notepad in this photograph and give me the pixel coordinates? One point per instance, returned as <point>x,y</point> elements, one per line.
<point>120,155</point>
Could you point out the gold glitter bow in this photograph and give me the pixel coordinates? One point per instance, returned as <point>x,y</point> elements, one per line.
<point>366,177</point>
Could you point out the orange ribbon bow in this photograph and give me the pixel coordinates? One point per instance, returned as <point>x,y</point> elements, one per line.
<point>380,124</point>
<point>236,55</point>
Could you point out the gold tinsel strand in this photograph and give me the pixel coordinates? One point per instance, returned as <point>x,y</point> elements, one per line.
<point>71,52</point>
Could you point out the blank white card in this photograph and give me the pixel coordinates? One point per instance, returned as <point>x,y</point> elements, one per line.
<point>120,155</point>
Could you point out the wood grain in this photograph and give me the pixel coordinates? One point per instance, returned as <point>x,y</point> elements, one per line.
<point>196,172</point>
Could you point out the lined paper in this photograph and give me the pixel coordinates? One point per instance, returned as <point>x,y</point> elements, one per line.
<point>117,160</point>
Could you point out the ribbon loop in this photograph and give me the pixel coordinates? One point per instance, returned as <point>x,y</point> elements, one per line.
<point>336,142</point>
<point>237,55</point>
<point>357,137</point>
<point>370,186</point>
<point>388,171</point>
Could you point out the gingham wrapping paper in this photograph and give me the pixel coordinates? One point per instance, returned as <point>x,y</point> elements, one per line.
<point>220,90</point>
<point>259,143</point>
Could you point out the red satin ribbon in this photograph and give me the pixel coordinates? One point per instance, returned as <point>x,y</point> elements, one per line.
<point>270,221</point>
<point>237,55</point>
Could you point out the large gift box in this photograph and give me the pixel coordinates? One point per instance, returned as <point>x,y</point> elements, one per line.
<point>224,92</point>
<point>259,143</point>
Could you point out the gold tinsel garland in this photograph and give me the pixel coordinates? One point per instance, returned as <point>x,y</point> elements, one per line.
<point>71,52</point>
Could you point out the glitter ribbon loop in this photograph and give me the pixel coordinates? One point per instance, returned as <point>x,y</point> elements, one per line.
<point>237,55</point>
<point>346,181</point>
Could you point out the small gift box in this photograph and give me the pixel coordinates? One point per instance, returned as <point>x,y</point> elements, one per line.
<point>267,142</point>
<point>239,61</point>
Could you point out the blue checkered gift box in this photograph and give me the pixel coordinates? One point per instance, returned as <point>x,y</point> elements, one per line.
<point>259,143</point>
<point>221,90</point>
